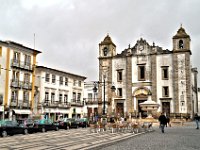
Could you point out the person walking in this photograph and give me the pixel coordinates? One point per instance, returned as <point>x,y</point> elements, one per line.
<point>163,121</point>
<point>196,118</point>
<point>168,121</point>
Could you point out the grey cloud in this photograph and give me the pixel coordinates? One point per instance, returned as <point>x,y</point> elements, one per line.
<point>68,32</point>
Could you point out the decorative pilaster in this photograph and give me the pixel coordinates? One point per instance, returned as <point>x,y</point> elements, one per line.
<point>129,98</point>
<point>175,83</point>
<point>190,107</point>
<point>153,76</point>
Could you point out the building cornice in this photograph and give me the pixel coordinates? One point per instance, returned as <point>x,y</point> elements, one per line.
<point>18,46</point>
<point>64,72</point>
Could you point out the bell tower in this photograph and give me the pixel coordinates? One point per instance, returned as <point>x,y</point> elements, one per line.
<point>181,41</point>
<point>182,72</point>
<point>107,50</point>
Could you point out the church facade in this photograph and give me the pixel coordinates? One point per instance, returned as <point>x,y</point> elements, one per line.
<point>148,71</point>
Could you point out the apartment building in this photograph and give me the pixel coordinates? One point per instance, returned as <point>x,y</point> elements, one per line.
<point>91,100</point>
<point>59,93</point>
<point>17,78</point>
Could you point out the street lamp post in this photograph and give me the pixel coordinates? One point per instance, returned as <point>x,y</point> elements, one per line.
<point>104,97</point>
<point>104,94</point>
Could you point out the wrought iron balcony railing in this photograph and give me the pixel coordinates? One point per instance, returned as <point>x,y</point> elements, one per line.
<point>107,101</point>
<point>14,102</point>
<point>91,101</point>
<point>76,102</point>
<point>21,64</point>
<point>21,84</point>
<point>15,83</point>
<point>26,104</point>
<point>64,105</point>
<point>48,103</point>
<point>26,85</point>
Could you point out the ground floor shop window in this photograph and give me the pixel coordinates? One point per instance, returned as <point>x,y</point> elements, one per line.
<point>76,115</point>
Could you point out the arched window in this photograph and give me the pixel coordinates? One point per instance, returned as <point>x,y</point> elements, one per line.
<point>181,44</point>
<point>105,51</point>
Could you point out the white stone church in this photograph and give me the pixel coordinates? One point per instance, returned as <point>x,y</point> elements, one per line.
<point>144,70</point>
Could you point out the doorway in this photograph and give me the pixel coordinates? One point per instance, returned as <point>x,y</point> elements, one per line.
<point>120,109</point>
<point>166,108</point>
<point>95,111</point>
<point>140,111</point>
<point>89,112</point>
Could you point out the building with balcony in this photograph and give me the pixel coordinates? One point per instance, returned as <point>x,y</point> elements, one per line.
<point>17,77</point>
<point>91,100</point>
<point>144,70</point>
<point>59,93</point>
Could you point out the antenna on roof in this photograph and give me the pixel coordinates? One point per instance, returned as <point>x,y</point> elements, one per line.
<point>34,40</point>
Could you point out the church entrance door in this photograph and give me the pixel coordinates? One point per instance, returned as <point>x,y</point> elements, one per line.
<point>120,109</point>
<point>140,111</point>
<point>166,108</point>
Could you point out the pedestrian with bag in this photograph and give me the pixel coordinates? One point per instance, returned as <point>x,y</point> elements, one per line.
<point>163,121</point>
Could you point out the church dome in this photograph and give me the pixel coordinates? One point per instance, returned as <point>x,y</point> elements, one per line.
<point>181,34</point>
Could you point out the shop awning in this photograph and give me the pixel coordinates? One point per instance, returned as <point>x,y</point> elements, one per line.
<point>1,108</point>
<point>22,111</point>
<point>64,111</point>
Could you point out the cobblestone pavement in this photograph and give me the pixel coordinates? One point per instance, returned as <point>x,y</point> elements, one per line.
<point>73,139</point>
<point>185,137</point>
<point>175,138</point>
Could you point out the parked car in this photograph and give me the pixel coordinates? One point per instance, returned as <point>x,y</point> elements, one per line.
<point>28,123</point>
<point>67,123</point>
<point>64,123</point>
<point>83,122</point>
<point>25,122</point>
<point>8,127</point>
<point>44,125</point>
<point>74,123</point>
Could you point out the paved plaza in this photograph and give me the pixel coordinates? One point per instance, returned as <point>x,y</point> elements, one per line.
<point>175,138</point>
<point>73,139</point>
<point>185,137</point>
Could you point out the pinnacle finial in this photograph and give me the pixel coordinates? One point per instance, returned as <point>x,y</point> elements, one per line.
<point>153,44</point>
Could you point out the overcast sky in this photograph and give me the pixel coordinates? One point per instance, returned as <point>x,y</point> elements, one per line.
<point>68,32</point>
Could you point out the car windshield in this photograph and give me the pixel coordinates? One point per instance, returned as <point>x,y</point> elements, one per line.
<point>29,121</point>
<point>36,121</point>
<point>25,122</point>
<point>10,123</point>
<point>21,121</point>
<point>49,121</point>
<point>71,119</point>
<point>43,121</point>
<point>66,119</point>
<point>2,122</point>
<point>83,119</point>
